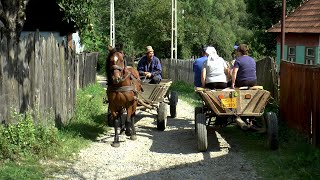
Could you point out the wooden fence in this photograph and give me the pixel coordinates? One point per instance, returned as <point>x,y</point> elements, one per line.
<point>300,100</point>
<point>42,75</point>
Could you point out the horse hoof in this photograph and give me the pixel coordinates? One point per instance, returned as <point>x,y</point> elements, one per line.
<point>122,131</point>
<point>128,132</point>
<point>133,137</point>
<point>115,145</point>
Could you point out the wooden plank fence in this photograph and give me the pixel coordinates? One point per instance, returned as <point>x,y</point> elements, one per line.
<point>42,75</point>
<point>300,100</point>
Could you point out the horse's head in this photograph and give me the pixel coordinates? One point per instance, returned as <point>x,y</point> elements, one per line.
<point>116,65</point>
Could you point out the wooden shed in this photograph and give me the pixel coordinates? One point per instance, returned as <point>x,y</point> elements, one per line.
<point>302,38</point>
<point>46,17</point>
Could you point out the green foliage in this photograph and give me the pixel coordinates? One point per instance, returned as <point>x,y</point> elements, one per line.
<point>89,119</point>
<point>23,144</point>
<point>89,102</point>
<point>78,12</point>
<point>26,138</point>
<point>21,170</point>
<point>263,14</point>
<point>186,92</point>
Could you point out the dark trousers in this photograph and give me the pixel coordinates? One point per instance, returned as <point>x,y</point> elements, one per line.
<point>216,85</point>
<point>153,80</point>
<point>246,83</point>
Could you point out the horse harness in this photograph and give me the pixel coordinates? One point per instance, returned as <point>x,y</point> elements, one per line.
<point>132,86</point>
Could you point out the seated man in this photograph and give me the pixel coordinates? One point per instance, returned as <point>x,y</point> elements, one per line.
<point>149,67</point>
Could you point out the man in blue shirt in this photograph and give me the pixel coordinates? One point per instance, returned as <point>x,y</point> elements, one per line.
<point>150,67</point>
<point>197,67</point>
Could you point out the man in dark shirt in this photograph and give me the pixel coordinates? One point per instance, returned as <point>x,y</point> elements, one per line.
<point>149,67</point>
<point>197,67</point>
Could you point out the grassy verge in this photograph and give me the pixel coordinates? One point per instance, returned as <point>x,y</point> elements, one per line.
<point>295,158</point>
<point>27,148</point>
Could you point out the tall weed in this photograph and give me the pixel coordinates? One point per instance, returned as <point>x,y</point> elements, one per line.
<point>25,137</point>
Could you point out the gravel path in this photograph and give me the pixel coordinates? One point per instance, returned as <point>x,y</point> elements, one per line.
<point>169,154</point>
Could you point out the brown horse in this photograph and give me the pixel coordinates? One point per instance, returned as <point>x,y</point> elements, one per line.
<point>123,86</point>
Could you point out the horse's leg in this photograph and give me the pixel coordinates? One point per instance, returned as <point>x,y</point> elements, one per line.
<point>130,130</point>
<point>116,135</point>
<point>122,122</point>
<point>128,123</point>
<point>133,133</point>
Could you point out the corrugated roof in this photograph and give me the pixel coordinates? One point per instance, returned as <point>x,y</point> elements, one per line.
<point>305,19</point>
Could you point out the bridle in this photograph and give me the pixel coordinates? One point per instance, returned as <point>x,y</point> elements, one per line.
<point>122,71</point>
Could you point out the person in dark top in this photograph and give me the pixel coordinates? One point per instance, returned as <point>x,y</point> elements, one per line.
<point>244,69</point>
<point>149,67</point>
<point>197,67</point>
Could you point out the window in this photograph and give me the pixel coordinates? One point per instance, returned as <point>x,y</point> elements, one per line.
<point>291,54</point>
<point>310,55</point>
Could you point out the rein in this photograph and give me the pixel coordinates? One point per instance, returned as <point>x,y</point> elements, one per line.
<point>124,88</point>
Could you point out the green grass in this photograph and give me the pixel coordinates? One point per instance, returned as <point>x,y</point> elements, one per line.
<point>186,92</point>
<point>295,158</point>
<point>32,144</point>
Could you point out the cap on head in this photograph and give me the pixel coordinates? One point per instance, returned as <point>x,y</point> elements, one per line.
<point>149,49</point>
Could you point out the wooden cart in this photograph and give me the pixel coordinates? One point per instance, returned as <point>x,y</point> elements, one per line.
<point>244,106</point>
<point>157,96</point>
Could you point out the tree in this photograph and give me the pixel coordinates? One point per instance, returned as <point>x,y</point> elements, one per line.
<point>78,12</point>
<point>263,14</point>
<point>12,16</point>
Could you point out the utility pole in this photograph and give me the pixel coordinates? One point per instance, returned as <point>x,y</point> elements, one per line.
<point>174,30</point>
<point>283,29</point>
<point>112,32</point>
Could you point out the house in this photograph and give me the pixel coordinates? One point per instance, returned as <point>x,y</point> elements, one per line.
<point>46,17</point>
<point>302,38</point>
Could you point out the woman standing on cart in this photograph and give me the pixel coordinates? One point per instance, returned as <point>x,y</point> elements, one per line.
<point>244,69</point>
<point>214,70</point>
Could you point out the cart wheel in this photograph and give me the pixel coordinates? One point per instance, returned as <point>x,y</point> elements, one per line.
<point>173,103</point>
<point>162,117</point>
<point>272,129</point>
<point>202,132</point>
<point>197,110</point>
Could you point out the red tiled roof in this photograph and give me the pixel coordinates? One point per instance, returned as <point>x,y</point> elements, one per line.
<point>305,19</point>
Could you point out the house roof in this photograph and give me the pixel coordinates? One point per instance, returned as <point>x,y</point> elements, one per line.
<point>305,19</point>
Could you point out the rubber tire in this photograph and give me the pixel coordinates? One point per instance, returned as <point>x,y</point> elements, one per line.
<point>272,130</point>
<point>197,110</point>
<point>173,101</point>
<point>162,116</point>
<point>202,135</point>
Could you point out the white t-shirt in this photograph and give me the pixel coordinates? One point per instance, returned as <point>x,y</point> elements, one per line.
<point>215,70</point>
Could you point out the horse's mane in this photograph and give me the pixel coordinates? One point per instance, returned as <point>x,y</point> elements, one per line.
<point>107,67</point>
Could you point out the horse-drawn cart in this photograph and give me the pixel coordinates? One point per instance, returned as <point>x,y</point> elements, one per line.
<point>157,96</point>
<point>244,106</point>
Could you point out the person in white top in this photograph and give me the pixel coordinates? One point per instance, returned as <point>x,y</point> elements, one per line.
<point>214,70</point>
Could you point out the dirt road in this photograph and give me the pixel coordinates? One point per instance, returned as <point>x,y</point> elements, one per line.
<point>169,154</point>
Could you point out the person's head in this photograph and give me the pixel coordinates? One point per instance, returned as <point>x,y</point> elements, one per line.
<point>203,50</point>
<point>149,52</point>
<point>243,49</point>
<point>210,51</point>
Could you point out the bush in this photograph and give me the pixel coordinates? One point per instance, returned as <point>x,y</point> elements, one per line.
<point>25,137</point>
